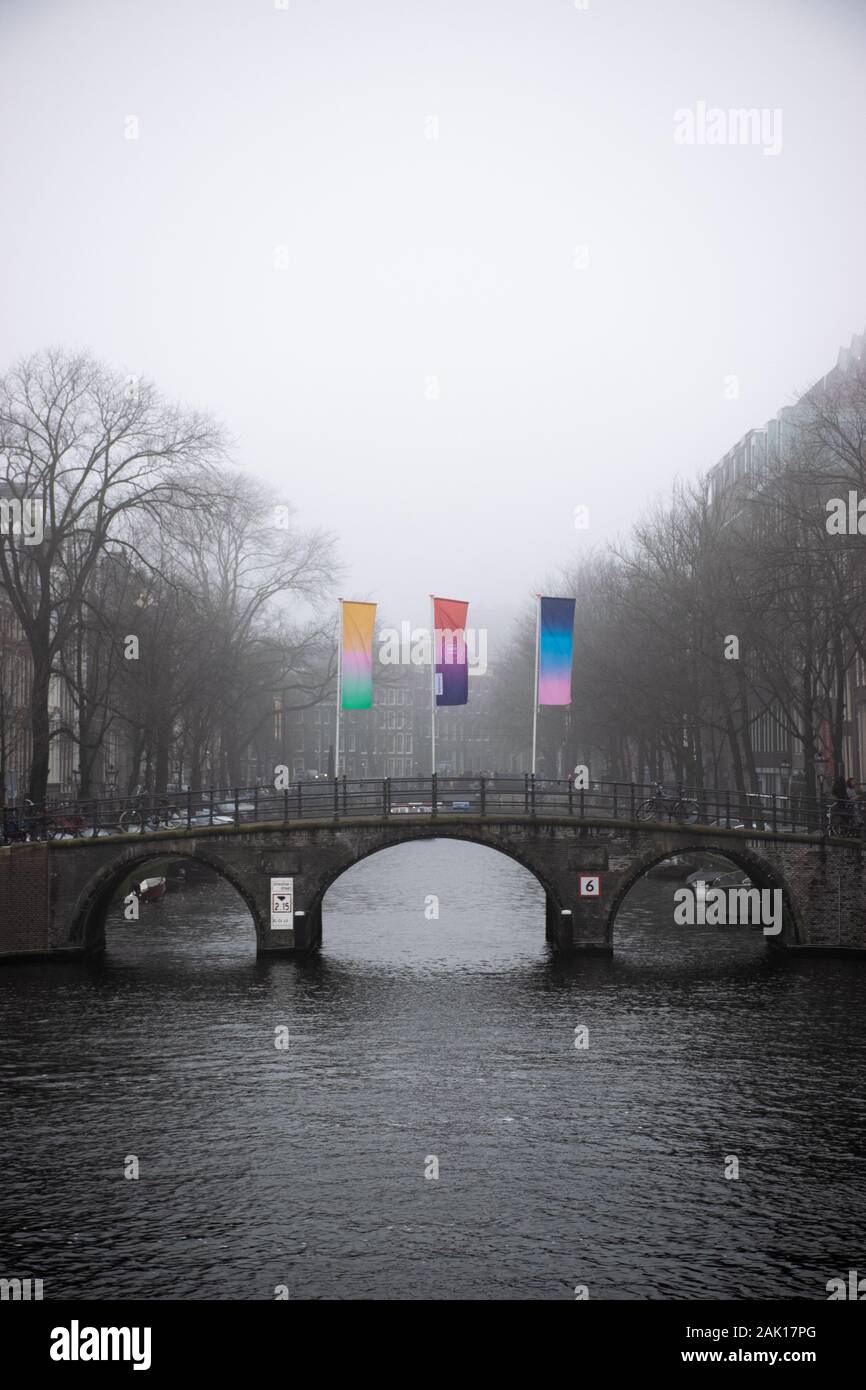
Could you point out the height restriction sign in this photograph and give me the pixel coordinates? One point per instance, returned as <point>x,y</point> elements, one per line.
<point>282,904</point>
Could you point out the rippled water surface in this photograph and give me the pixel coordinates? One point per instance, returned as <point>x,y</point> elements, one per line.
<point>411,1038</point>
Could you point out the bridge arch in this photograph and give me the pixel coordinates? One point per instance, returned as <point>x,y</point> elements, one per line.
<point>91,907</point>
<point>762,873</point>
<point>403,835</point>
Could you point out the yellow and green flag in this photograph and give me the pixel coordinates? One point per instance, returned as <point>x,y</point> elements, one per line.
<point>357,655</point>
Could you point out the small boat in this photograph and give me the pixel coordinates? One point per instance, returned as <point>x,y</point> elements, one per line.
<point>150,889</point>
<point>677,866</point>
<point>719,878</point>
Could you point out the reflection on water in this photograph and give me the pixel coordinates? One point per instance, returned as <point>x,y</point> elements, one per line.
<point>410,1037</point>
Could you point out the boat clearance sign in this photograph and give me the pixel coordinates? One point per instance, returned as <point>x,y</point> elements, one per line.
<point>282,904</point>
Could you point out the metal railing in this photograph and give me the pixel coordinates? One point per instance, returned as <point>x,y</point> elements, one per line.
<point>467,796</point>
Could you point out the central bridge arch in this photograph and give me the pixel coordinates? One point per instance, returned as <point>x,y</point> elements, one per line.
<point>435,831</point>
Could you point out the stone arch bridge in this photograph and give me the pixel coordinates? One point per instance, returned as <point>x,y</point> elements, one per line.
<point>54,895</point>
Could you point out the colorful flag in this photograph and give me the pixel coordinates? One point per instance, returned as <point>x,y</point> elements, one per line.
<point>357,655</point>
<point>555,645</point>
<point>449,651</point>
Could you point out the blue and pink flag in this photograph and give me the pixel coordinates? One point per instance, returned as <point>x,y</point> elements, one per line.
<point>555,650</point>
<point>449,651</point>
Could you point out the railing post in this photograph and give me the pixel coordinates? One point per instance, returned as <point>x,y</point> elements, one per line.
<point>237,807</point>
<point>615,812</point>
<point>256,803</point>
<point>775,825</point>
<point>189,808</point>
<point>210,803</point>
<point>532,792</point>
<point>285,805</point>
<point>582,800</point>
<point>434,783</point>
<point>386,796</point>
<point>336,798</point>
<point>728,808</point>
<point>526,793</point>
<point>631,800</point>
<point>482,802</point>
<point>571,796</point>
<point>344,794</point>
<point>299,799</point>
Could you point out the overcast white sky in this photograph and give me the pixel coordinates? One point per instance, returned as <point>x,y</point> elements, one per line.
<point>412,257</point>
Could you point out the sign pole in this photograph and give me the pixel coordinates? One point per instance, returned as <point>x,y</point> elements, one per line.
<point>339,691</point>
<point>433,685</point>
<point>535,682</point>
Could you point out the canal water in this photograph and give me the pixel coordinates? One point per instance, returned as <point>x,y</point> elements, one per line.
<point>418,1042</point>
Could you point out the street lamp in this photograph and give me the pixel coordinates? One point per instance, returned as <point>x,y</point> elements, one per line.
<point>820,770</point>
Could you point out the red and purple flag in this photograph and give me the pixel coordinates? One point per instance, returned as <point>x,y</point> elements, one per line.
<point>449,651</point>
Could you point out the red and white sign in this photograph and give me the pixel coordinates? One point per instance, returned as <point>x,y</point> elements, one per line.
<point>589,886</point>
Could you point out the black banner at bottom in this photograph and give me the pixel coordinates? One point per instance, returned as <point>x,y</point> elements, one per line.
<point>162,1339</point>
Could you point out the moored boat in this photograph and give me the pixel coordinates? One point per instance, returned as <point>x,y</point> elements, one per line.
<point>150,889</point>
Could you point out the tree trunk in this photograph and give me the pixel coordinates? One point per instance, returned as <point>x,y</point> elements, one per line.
<point>736,760</point>
<point>40,731</point>
<point>160,767</point>
<point>839,704</point>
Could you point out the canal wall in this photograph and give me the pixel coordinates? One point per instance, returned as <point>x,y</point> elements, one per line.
<point>25,907</point>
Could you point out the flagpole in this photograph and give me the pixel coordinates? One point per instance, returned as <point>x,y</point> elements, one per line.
<point>339,690</point>
<point>433,685</point>
<point>535,683</point>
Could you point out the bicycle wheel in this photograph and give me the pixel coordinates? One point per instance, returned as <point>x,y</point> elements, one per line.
<point>687,811</point>
<point>839,822</point>
<point>130,821</point>
<point>646,810</point>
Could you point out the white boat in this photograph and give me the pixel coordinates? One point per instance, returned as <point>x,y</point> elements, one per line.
<point>150,889</point>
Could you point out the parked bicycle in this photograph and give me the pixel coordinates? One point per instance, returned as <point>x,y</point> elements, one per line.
<point>684,809</point>
<point>25,822</point>
<point>142,817</point>
<point>846,819</point>
<point>62,821</point>
<point>16,825</point>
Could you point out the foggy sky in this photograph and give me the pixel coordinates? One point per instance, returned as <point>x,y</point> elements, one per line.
<point>453,258</point>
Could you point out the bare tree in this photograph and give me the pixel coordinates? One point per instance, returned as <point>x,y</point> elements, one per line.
<point>91,449</point>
